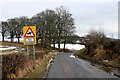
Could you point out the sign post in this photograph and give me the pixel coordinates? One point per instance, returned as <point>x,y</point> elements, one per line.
<point>27,50</point>
<point>34,52</point>
<point>29,37</point>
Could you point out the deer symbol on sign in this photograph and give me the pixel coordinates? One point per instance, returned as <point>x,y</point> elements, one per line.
<point>29,33</point>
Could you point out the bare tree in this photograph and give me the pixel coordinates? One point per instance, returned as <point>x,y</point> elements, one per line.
<point>12,26</point>
<point>45,22</point>
<point>95,38</point>
<point>22,21</point>
<point>53,26</point>
<point>65,25</point>
<point>4,29</point>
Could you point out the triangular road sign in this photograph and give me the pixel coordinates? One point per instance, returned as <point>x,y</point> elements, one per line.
<point>29,33</point>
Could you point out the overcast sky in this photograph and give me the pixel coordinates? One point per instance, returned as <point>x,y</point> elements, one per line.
<point>87,13</point>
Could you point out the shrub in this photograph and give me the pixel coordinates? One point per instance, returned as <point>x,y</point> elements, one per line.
<point>19,64</point>
<point>81,53</point>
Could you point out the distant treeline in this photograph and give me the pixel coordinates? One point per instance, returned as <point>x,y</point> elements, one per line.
<point>51,26</point>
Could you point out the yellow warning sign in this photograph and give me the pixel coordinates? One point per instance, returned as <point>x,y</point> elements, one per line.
<point>29,35</point>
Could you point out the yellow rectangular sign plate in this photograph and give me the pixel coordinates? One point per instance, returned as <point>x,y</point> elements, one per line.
<point>29,35</point>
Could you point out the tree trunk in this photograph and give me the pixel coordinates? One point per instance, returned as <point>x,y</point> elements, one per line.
<point>45,43</point>
<point>58,44</point>
<point>49,42</point>
<point>18,39</point>
<point>53,44</point>
<point>37,40</point>
<point>2,37</point>
<point>88,49</point>
<point>41,42</point>
<point>64,45</point>
<point>12,37</point>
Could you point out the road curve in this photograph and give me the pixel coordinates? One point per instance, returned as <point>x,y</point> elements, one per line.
<point>66,66</point>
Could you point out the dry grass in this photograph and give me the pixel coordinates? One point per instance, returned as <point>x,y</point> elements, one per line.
<point>18,65</point>
<point>39,71</point>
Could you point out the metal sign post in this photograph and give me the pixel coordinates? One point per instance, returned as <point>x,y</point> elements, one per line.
<point>27,51</point>
<point>34,52</point>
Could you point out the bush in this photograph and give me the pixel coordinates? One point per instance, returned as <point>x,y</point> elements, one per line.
<point>11,62</point>
<point>19,64</point>
<point>100,54</point>
<point>80,53</point>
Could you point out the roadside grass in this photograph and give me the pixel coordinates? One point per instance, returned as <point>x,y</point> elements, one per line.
<point>18,45</point>
<point>6,43</point>
<point>3,51</point>
<point>99,58</point>
<point>41,63</point>
<point>80,53</point>
<point>39,71</point>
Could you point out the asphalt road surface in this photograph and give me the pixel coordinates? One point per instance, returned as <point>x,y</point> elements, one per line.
<point>66,66</point>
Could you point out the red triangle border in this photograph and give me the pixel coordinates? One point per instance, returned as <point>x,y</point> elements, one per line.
<point>27,31</point>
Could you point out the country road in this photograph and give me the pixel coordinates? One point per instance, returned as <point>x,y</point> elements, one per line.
<point>66,66</point>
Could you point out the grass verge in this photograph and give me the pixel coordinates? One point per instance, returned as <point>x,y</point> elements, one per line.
<point>39,71</point>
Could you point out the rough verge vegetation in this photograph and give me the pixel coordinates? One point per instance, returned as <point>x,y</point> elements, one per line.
<point>101,49</point>
<point>19,64</point>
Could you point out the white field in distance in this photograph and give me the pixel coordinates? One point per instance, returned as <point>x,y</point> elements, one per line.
<point>68,46</point>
